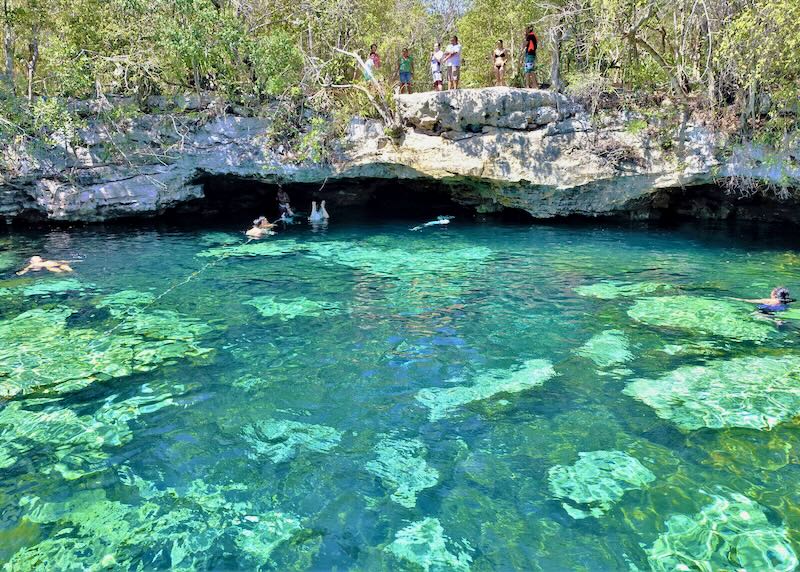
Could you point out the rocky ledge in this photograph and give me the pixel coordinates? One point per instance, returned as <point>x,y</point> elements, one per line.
<point>492,148</point>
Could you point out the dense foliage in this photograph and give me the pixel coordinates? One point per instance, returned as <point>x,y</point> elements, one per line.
<point>717,52</point>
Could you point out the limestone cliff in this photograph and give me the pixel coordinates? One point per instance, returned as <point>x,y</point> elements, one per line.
<point>493,148</point>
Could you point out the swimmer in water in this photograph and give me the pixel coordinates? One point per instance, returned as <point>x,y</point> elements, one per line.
<point>442,220</point>
<point>261,228</point>
<point>778,301</point>
<point>283,204</point>
<point>323,213</point>
<point>37,263</point>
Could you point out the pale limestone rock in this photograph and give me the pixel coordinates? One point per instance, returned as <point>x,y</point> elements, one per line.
<point>493,148</point>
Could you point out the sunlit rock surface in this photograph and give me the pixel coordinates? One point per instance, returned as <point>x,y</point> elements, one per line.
<point>494,148</point>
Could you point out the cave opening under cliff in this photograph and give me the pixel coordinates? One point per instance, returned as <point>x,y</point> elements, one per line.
<point>228,198</point>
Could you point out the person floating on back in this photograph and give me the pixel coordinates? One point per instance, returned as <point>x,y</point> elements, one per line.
<point>261,228</point>
<point>37,263</point>
<point>499,57</point>
<point>406,71</point>
<point>284,207</point>
<point>529,58</point>
<point>440,221</point>
<point>436,66</point>
<point>452,59</point>
<point>778,301</point>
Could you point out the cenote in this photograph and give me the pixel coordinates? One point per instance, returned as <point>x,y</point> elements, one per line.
<point>488,396</point>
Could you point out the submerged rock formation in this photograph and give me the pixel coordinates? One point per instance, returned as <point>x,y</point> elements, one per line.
<point>492,148</point>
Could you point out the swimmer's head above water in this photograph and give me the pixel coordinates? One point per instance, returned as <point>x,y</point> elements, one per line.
<point>781,293</point>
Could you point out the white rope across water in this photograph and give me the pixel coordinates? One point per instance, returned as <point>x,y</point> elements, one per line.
<point>138,310</point>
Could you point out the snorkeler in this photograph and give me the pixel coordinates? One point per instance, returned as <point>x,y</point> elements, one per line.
<point>37,263</point>
<point>283,204</point>
<point>442,220</point>
<point>778,301</point>
<point>261,228</point>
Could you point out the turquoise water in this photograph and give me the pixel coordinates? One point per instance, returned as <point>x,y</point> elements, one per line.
<point>478,397</point>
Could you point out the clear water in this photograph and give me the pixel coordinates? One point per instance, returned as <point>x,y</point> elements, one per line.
<point>198,471</point>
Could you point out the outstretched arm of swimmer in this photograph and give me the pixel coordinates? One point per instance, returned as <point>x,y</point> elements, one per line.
<point>24,270</point>
<point>756,301</point>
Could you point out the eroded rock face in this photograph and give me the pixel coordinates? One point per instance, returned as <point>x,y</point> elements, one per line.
<point>494,148</point>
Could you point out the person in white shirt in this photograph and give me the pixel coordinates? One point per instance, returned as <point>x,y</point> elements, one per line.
<point>452,59</point>
<point>436,66</point>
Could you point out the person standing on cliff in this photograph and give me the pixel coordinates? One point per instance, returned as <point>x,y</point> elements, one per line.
<point>529,58</point>
<point>406,71</point>
<point>436,66</point>
<point>452,59</point>
<point>499,57</point>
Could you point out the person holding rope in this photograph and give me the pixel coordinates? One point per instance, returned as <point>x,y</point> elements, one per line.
<point>261,228</point>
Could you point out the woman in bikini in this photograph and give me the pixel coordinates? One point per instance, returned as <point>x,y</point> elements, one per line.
<point>499,57</point>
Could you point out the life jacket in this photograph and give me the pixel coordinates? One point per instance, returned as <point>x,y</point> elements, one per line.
<point>532,43</point>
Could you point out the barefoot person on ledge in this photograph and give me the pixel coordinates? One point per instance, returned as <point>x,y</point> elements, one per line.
<point>37,263</point>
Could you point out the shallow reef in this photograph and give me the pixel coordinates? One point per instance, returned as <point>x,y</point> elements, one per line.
<point>701,316</point>
<point>39,351</point>
<point>401,465</point>
<point>607,348</point>
<point>399,263</point>
<point>596,481</point>
<point>424,544</point>
<point>752,392</point>
<point>265,247</point>
<point>281,440</point>
<point>168,528</point>
<point>291,308</point>
<point>611,290</point>
<point>59,440</point>
<point>731,533</point>
<point>442,401</point>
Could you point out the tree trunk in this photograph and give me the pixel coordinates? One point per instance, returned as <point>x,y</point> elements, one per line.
<point>8,47</point>
<point>555,60</point>
<point>33,59</point>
